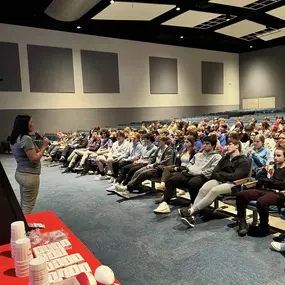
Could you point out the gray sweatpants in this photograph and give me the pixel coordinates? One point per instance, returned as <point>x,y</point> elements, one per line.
<point>209,192</point>
<point>29,189</point>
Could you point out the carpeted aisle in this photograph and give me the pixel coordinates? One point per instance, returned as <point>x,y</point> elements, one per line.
<point>145,249</point>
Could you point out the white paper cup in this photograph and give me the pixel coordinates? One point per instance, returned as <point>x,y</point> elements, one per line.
<point>38,271</point>
<point>22,273</point>
<point>17,230</point>
<point>23,250</point>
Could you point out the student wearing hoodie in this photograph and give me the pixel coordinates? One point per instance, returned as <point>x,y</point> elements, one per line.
<point>258,153</point>
<point>118,151</point>
<point>163,157</point>
<point>133,154</point>
<point>233,166</point>
<point>147,153</point>
<point>263,197</point>
<point>199,170</point>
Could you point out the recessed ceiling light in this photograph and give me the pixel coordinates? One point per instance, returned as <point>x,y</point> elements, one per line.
<point>177,8</point>
<point>181,37</point>
<point>112,1</point>
<point>228,19</point>
<point>78,27</point>
<point>251,47</point>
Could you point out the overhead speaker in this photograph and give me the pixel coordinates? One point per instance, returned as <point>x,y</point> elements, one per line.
<point>69,10</point>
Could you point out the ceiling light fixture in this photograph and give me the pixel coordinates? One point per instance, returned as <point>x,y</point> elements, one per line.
<point>177,8</point>
<point>112,1</point>
<point>251,47</point>
<point>78,27</point>
<point>181,37</point>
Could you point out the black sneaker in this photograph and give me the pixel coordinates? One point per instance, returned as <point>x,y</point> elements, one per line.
<point>242,228</point>
<point>67,170</point>
<point>257,231</point>
<point>184,212</point>
<point>189,221</point>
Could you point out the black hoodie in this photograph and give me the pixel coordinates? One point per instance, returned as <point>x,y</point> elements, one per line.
<point>229,170</point>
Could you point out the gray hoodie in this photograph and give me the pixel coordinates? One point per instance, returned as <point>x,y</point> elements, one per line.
<point>203,163</point>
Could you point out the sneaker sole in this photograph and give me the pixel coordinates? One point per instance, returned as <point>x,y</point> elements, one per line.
<point>121,195</point>
<point>161,213</point>
<point>111,191</point>
<point>187,223</point>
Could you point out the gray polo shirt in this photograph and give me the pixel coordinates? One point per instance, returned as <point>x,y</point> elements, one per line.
<point>19,149</point>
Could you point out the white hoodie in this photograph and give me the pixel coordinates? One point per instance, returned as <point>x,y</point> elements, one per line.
<point>203,163</point>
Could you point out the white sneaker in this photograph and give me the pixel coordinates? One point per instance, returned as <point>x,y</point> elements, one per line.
<point>162,208</point>
<point>111,188</point>
<point>103,177</point>
<point>112,180</point>
<point>121,188</point>
<point>123,194</point>
<point>180,192</point>
<point>97,177</point>
<point>278,246</point>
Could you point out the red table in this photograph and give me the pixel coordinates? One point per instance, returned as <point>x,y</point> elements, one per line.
<point>52,222</point>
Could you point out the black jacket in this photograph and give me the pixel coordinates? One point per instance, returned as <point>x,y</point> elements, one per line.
<point>166,158</point>
<point>82,143</point>
<point>230,170</point>
<point>277,181</point>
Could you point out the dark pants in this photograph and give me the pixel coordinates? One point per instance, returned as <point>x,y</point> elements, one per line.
<point>67,151</point>
<point>263,200</point>
<point>143,175</point>
<point>127,172</point>
<point>183,180</point>
<point>117,165</point>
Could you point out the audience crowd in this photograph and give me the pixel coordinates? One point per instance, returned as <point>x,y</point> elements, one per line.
<point>198,160</point>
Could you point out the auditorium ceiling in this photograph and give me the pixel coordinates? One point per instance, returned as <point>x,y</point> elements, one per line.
<point>223,25</point>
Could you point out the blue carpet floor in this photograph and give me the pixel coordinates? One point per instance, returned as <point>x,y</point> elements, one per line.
<point>145,249</point>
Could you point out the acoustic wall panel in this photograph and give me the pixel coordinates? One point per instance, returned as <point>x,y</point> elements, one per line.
<point>212,77</point>
<point>10,74</point>
<point>51,69</point>
<point>163,75</point>
<point>100,72</point>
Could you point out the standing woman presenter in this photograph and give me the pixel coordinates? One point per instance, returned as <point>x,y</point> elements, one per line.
<point>27,156</point>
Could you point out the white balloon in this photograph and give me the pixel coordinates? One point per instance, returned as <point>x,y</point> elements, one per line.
<point>104,275</point>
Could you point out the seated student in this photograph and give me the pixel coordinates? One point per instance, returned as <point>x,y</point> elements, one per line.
<point>258,153</point>
<point>117,152</point>
<point>93,145</point>
<point>263,197</point>
<point>233,166</point>
<point>182,160</point>
<point>222,137</point>
<point>55,145</point>
<point>177,142</point>
<point>147,153</point>
<point>133,154</point>
<point>163,157</point>
<point>199,170</point>
<point>80,141</point>
<point>105,147</point>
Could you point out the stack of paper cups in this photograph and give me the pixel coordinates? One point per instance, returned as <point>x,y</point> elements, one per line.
<point>17,232</point>
<point>23,257</point>
<point>38,272</point>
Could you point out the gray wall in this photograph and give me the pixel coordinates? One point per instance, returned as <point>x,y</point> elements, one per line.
<point>48,121</point>
<point>262,74</point>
